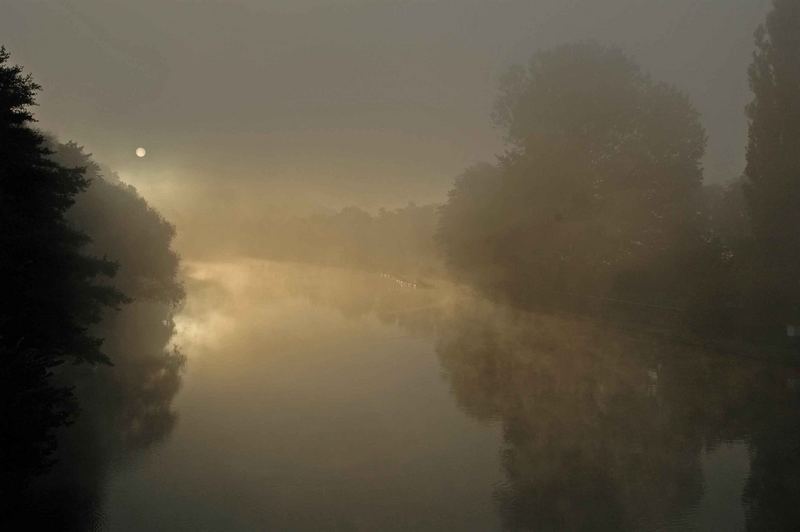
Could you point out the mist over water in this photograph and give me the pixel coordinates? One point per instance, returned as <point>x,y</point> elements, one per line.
<point>321,398</point>
<point>297,413</point>
<point>399,265</point>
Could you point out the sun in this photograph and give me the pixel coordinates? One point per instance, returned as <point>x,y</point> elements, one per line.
<point>141,152</point>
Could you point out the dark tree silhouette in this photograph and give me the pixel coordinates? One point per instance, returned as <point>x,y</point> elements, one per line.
<point>772,191</point>
<point>772,184</point>
<point>50,294</point>
<point>127,407</point>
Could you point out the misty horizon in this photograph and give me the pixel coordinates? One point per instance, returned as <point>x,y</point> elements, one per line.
<point>330,104</point>
<point>401,265</point>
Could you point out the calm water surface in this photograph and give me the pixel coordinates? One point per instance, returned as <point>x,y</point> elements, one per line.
<point>317,399</point>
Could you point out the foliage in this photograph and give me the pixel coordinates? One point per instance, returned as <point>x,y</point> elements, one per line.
<point>56,212</point>
<point>772,184</point>
<point>50,293</point>
<point>599,195</point>
<point>127,407</point>
<point>125,228</point>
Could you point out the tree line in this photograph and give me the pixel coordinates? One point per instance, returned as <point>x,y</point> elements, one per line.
<point>89,289</point>
<point>598,205</point>
<point>397,241</point>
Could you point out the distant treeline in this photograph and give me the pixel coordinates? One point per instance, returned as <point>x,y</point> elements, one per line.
<point>89,289</point>
<point>598,203</point>
<point>398,241</point>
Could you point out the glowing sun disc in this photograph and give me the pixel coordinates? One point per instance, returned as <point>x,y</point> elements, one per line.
<point>141,152</point>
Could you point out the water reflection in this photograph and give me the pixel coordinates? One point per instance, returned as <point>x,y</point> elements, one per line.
<point>321,399</point>
<point>303,410</point>
<point>606,431</point>
<point>124,410</point>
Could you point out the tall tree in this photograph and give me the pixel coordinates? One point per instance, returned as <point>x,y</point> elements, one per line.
<point>126,408</point>
<point>772,174</point>
<point>597,191</point>
<point>50,294</point>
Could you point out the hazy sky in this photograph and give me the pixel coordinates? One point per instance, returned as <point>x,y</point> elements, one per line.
<point>268,102</point>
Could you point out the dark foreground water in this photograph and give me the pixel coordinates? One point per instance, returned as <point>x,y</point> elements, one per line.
<point>316,399</point>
